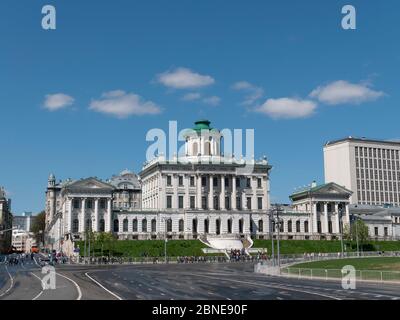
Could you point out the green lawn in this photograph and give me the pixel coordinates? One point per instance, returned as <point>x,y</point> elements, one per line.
<point>381,264</point>
<point>150,248</point>
<point>325,246</point>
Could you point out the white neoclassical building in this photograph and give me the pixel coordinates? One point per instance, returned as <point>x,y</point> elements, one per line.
<point>201,194</point>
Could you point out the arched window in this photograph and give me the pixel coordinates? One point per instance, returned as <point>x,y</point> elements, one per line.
<point>144,225</point>
<point>195,149</point>
<point>169,225</point>
<point>218,226</point>
<point>297,226</point>
<point>181,225</point>
<point>134,225</point>
<point>153,225</point>
<point>229,225</point>
<point>75,225</point>
<point>207,148</point>
<point>102,225</point>
<point>241,225</point>
<point>88,224</point>
<point>260,226</point>
<point>194,226</point>
<point>306,226</point>
<point>206,226</point>
<point>289,226</point>
<point>125,225</point>
<point>116,225</point>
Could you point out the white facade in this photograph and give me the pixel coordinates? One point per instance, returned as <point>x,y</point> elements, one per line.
<point>369,168</point>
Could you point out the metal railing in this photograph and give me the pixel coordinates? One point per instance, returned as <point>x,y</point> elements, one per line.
<point>360,275</point>
<point>161,260</point>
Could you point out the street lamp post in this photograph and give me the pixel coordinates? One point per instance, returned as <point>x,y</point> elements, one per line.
<point>278,246</point>
<point>271,228</point>
<point>358,248</point>
<point>165,239</point>
<point>341,230</point>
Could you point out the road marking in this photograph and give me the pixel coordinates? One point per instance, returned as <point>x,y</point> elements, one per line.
<point>41,283</point>
<point>76,285</point>
<point>100,285</point>
<point>274,286</point>
<point>11,285</point>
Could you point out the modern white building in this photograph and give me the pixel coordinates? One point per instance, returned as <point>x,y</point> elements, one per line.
<point>23,221</point>
<point>369,168</point>
<point>22,240</point>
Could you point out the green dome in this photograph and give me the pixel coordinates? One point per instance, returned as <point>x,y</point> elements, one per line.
<point>202,125</point>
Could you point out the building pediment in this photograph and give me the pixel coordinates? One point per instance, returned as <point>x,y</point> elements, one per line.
<point>90,184</point>
<point>328,190</point>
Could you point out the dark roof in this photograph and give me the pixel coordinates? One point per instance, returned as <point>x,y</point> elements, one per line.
<point>364,140</point>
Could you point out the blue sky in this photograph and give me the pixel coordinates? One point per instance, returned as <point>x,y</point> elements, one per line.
<point>70,97</point>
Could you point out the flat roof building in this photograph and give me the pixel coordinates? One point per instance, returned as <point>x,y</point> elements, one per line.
<point>370,168</point>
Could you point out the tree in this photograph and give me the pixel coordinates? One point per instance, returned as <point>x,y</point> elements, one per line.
<point>38,226</point>
<point>358,230</point>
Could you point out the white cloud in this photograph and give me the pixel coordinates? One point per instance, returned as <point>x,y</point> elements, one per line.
<point>183,78</point>
<point>254,92</point>
<point>287,108</point>
<point>345,92</point>
<point>191,96</point>
<point>212,101</point>
<point>57,101</point>
<point>120,104</point>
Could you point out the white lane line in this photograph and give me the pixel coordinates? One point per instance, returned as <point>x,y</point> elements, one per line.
<point>75,284</point>
<point>61,275</point>
<point>41,283</point>
<point>11,285</point>
<point>100,285</point>
<point>274,286</point>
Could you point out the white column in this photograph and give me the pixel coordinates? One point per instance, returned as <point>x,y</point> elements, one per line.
<point>337,219</point>
<point>222,194</point>
<point>175,196</point>
<point>347,218</point>
<point>325,229</point>
<point>244,200</point>
<point>266,204</point>
<point>186,182</point>
<point>199,192</point>
<point>254,202</point>
<point>313,224</point>
<point>95,223</point>
<point>233,196</point>
<point>108,221</point>
<point>82,226</point>
<point>211,194</point>
<point>70,214</point>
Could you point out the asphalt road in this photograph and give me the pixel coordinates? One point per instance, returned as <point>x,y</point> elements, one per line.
<point>235,281</point>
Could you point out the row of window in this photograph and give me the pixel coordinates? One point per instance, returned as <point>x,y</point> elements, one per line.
<point>216,203</point>
<point>381,197</point>
<point>378,185</point>
<point>168,226</point>
<point>385,231</point>
<point>216,181</point>
<point>377,164</point>
<point>89,203</point>
<point>376,152</point>
<point>375,174</point>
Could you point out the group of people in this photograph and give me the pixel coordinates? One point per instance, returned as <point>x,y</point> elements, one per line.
<point>18,258</point>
